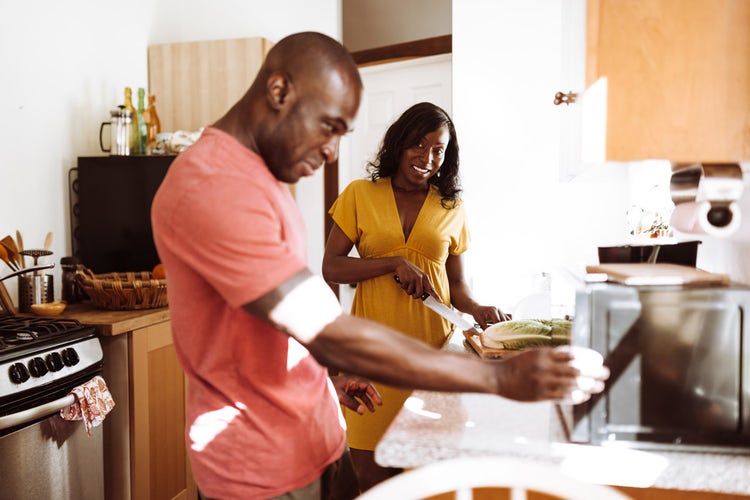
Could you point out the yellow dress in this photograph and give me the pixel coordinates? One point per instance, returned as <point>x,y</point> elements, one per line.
<point>366,212</point>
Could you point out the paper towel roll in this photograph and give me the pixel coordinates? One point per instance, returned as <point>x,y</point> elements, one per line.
<point>693,217</point>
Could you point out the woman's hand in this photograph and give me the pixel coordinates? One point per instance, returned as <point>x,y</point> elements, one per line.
<point>350,389</point>
<point>413,280</point>
<point>488,315</point>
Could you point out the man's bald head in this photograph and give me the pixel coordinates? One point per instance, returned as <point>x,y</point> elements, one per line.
<point>305,56</point>
<point>303,100</point>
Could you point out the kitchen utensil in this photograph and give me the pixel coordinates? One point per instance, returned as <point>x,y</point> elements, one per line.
<point>36,253</point>
<point>48,241</point>
<point>445,312</point>
<point>10,246</point>
<point>33,289</point>
<point>449,314</point>
<point>27,270</point>
<point>6,303</point>
<point>120,124</point>
<point>4,258</point>
<point>19,243</point>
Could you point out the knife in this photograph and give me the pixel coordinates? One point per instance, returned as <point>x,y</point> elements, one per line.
<point>449,314</point>
<point>446,312</point>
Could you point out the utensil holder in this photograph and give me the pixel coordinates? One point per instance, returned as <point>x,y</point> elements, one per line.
<point>34,289</point>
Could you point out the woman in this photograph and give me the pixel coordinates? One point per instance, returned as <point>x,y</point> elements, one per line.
<point>409,228</point>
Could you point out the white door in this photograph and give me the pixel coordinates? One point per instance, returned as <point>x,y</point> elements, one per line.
<point>389,89</point>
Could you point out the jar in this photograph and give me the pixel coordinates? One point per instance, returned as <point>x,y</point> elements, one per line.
<point>71,293</point>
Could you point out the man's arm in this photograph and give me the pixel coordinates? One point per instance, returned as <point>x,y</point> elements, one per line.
<point>305,308</point>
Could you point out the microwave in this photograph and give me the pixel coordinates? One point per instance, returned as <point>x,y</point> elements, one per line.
<point>679,358</point>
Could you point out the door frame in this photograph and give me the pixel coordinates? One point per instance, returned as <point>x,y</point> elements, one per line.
<point>379,55</point>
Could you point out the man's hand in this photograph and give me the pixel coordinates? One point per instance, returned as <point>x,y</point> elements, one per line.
<point>350,389</point>
<point>546,373</point>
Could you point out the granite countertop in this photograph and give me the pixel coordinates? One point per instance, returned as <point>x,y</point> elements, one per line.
<point>436,426</point>
<point>109,323</point>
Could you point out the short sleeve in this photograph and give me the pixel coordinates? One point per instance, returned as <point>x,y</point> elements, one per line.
<point>344,212</point>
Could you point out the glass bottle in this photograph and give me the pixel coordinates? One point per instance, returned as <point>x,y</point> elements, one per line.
<point>154,125</point>
<point>133,142</point>
<point>141,124</point>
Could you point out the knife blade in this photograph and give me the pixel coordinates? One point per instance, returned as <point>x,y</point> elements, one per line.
<point>449,314</point>
<point>445,311</point>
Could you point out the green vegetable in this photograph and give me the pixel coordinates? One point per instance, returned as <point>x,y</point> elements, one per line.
<point>525,333</point>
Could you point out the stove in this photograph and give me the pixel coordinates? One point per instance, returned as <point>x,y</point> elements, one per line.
<point>42,455</point>
<point>42,359</point>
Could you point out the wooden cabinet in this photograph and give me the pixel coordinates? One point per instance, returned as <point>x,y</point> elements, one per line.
<point>160,468</point>
<point>145,456</point>
<point>195,83</point>
<point>677,76</point>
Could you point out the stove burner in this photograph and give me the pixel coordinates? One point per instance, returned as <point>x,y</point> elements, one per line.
<point>18,331</point>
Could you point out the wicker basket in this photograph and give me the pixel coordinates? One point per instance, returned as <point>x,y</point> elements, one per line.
<point>123,291</point>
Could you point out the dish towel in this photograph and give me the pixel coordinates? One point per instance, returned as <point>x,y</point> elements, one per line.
<point>93,402</point>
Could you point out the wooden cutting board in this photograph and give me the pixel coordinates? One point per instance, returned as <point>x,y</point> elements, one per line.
<point>658,274</point>
<point>487,352</point>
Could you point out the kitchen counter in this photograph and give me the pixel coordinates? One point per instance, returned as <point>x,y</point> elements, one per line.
<point>109,323</point>
<point>436,426</point>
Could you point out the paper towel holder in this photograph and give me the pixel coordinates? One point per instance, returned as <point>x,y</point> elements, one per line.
<point>720,184</point>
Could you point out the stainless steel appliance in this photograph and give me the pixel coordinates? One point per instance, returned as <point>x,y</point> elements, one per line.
<point>42,456</point>
<point>680,363</point>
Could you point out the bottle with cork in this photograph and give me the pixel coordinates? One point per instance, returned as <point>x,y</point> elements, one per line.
<point>133,142</point>
<point>153,126</point>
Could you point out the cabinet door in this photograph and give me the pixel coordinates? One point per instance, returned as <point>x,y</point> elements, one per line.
<point>160,468</point>
<point>677,75</point>
<point>195,83</point>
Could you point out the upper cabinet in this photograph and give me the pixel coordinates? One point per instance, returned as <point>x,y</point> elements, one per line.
<point>195,83</point>
<point>677,78</point>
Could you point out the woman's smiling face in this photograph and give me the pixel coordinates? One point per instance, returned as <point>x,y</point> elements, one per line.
<point>423,160</point>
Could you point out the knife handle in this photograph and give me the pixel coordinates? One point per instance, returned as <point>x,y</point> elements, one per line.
<point>398,280</point>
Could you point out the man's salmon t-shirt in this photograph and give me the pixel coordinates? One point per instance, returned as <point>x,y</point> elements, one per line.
<point>263,417</point>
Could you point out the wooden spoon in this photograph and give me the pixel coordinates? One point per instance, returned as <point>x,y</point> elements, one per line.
<point>12,249</point>
<point>4,258</point>
<point>19,244</point>
<point>48,241</point>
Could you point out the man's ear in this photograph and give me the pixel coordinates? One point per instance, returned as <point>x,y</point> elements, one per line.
<point>278,89</point>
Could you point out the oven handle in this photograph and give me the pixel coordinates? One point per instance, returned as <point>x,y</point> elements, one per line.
<point>25,416</point>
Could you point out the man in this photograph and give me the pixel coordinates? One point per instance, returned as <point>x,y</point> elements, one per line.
<point>254,329</point>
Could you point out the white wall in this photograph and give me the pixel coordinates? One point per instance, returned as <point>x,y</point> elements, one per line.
<point>509,59</point>
<point>65,65</point>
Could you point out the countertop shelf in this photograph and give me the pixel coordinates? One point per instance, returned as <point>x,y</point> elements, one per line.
<point>110,323</point>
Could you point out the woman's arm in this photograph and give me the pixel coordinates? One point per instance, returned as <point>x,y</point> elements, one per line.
<point>339,267</point>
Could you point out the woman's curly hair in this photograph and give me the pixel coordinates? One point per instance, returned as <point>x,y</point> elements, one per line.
<point>407,131</point>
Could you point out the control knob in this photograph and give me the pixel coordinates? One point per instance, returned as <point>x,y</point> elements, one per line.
<point>18,373</point>
<point>70,357</point>
<point>54,362</point>
<point>37,367</point>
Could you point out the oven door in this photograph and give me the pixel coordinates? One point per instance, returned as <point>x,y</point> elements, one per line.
<point>43,457</point>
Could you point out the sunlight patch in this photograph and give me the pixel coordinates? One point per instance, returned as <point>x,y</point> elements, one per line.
<point>307,309</point>
<point>416,405</point>
<point>209,425</point>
